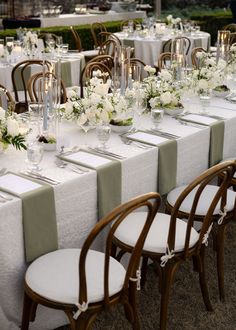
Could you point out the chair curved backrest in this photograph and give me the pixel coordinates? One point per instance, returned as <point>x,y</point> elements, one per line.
<point>194,59</point>
<point>196,188</point>
<point>105,59</point>
<point>6,98</point>
<point>164,60</point>
<point>96,28</point>
<point>126,23</point>
<point>45,36</point>
<point>108,47</point>
<point>88,73</point>
<point>33,84</point>
<point>232,38</point>
<point>169,44</point>
<point>230,27</point>
<point>108,35</point>
<point>21,73</point>
<point>76,38</point>
<point>151,201</point>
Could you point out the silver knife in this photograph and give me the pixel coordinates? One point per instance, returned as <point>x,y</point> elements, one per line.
<point>107,153</point>
<point>164,134</point>
<point>40,177</point>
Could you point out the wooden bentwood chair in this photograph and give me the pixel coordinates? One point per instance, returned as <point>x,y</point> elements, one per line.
<point>171,241</point>
<point>60,279</point>
<point>6,98</point>
<point>221,217</point>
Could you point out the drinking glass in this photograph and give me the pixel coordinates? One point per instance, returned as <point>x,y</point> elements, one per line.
<point>140,107</point>
<point>205,100</point>
<point>59,42</point>
<point>103,134</point>
<point>157,117</point>
<point>34,155</point>
<point>64,48</point>
<point>9,44</point>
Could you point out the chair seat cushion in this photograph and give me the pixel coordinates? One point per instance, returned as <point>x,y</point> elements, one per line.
<point>204,202</point>
<point>55,276</point>
<point>156,240</point>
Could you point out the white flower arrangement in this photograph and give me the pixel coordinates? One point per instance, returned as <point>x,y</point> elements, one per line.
<point>97,106</point>
<point>232,58</point>
<point>30,41</point>
<point>10,131</point>
<point>170,20</point>
<point>209,74</point>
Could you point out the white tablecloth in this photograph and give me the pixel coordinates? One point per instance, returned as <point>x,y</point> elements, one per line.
<point>148,49</point>
<point>76,198</point>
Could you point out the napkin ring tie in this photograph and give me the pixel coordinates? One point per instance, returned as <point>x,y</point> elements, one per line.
<point>206,235</point>
<point>222,215</point>
<point>81,308</point>
<point>137,279</point>
<point>169,255</point>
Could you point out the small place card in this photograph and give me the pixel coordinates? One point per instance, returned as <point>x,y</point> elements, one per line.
<point>147,138</point>
<point>87,159</point>
<point>17,185</point>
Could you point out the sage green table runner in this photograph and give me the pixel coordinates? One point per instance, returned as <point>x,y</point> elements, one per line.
<point>167,158</point>
<point>66,73</point>
<point>108,177</point>
<point>217,128</point>
<point>38,213</point>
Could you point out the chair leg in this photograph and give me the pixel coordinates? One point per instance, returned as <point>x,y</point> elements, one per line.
<point>26,314</point>
<point>220,238</point>
<point>167,279</point>
<point>202,280</point>
<point>144,271</point>
<point>133,303</point>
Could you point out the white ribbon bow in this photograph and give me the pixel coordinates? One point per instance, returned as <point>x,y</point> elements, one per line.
<point>81,308</point>
<point>167,256</point>
<point>137,279</point>
<point>206,235</point>
<point>222,215</point>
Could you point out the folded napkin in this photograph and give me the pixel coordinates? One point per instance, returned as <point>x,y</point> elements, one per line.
<point>38,213</point>
<point>216,135</point>
<point>167,158</point>
<point>108,177</point>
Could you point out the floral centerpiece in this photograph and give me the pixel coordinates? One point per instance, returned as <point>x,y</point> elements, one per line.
<point>98,106</point>
<point>170,20</point>
<point>30,42</point>
<point>10,131</point>
<point>210,73</point>
<point>163,91</point>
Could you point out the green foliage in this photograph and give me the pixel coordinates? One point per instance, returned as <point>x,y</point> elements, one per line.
<point>84,32</point>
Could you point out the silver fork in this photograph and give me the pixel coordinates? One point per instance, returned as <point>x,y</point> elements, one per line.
<point>127,141</point>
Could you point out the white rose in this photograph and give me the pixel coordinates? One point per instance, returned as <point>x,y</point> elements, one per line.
<point>68,108</point>
<point>12,127</point>
<point>95,98</point>
<point>202,84</point>
<point>165,75</point>
<point>101,89</point>
<point>165,98</point>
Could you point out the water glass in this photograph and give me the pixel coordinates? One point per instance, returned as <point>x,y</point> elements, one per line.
<point>34,155</point>
<point>157,117</point>
<point>64,48</point>
<point>103,134</point>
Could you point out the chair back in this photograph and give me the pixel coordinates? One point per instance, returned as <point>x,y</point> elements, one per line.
<point>46,36</point>
<point>96,28</point>
<point>34,83</point>
<point>194,58</point>
<point>6,98</point>
<point>108,47</point>
<point>232,38</point>
<point>164,61</point>
<point>77,39</point>
<point>151,202</point>
<point>21,74</point>
<point>167,46</point>
<point>104,59</point>
<point>108,35</point>
<point>196,188</point>
<point>230,27</point>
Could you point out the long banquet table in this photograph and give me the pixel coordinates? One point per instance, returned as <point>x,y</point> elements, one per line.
<point>76,197</point>
<point>89,18</point>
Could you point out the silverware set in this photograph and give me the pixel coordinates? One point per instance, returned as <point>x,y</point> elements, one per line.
<point>107,153</point>
<point>163,134</point>
<point>73,167</point>
<point>40,177</point>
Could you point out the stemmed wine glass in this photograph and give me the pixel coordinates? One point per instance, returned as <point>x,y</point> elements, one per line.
<point>9,46</point>
<point>103,134</point>
<point>140,107</point>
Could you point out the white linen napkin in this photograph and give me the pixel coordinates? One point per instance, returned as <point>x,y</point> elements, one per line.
<point>16,184</point>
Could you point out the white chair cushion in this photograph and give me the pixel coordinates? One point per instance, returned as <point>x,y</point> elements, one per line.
<point>156,240</point>
<point>55,276</point>
<point>204,202</point>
